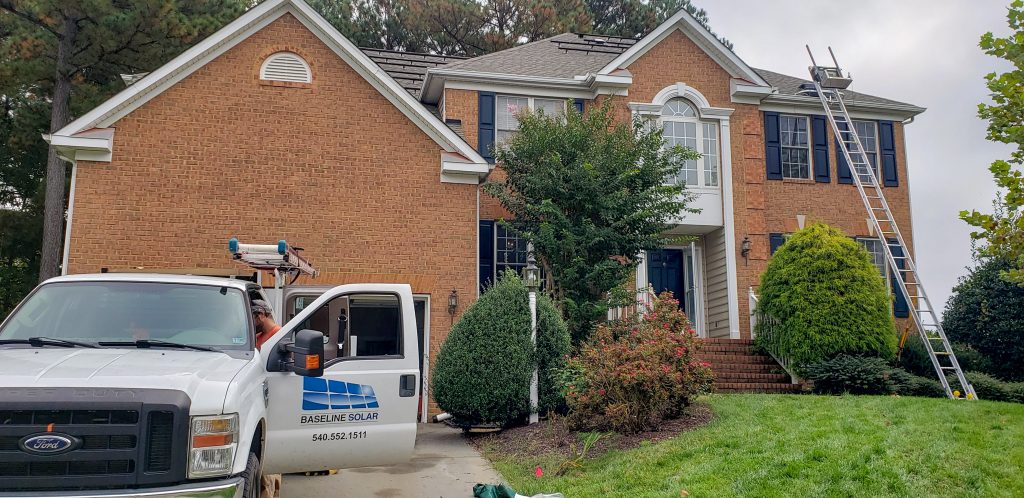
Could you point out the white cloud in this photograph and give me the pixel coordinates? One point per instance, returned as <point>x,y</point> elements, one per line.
<point>924,52</point>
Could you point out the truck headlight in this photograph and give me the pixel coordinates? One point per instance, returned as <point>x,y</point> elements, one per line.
<point>212,443</point>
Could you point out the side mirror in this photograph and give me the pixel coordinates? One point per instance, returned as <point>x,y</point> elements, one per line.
<point>307,353</point>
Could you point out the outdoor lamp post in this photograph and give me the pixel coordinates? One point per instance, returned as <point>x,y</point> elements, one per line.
<point>531,275</point>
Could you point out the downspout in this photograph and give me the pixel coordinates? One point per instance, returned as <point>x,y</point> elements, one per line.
<point>71,213</point>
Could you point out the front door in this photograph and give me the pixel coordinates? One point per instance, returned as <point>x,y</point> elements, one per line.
<point>362,411</point>
<point>665,273</point>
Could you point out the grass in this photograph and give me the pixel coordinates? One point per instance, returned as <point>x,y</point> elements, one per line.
<point>775,445</point>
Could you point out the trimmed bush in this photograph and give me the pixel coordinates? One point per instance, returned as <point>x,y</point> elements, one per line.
<point>914,358</point>
<point>483,371</point>
<point>826,298</point>
<point>553,345</point>
<point>632,374</point>
<point>853,375</point>
<point>908,384</point>
<point>992,389</point>
<point>986,312</point>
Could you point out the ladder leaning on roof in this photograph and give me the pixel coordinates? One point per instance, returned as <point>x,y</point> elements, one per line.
<point>828,82</point>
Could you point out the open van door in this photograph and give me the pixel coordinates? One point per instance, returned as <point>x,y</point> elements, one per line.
<point>362,411</point>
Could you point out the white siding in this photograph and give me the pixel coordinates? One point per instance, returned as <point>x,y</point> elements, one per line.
<point>717,311</point>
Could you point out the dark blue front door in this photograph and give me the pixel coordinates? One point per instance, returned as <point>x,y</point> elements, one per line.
<point>665,272</point>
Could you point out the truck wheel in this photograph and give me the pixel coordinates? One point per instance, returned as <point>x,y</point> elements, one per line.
<point>251,475</point>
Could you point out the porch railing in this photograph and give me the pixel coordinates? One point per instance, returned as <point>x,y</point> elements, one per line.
<point>768,324</point>
<point>644,298</point>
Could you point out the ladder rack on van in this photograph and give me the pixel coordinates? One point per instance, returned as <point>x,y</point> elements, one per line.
<point>280,259</point>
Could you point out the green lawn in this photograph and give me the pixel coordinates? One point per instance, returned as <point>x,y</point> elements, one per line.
<point>774,445</point>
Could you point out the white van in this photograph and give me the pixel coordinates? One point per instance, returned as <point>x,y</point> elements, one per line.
<point>115,385</point>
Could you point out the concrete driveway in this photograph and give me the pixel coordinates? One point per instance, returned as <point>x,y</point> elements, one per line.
<point>443,465</point>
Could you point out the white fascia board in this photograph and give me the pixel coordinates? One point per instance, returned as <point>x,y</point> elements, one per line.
<point>799,104</point>
<point>512,89</point>
<point>92,148</point>
<point>585,86</point>
<point>238,30</point>
<point>683,21</point>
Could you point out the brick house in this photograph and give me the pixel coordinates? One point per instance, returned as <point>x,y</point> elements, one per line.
<point>278,127</point>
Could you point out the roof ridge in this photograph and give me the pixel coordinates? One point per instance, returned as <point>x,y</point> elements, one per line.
<point>410,52</point>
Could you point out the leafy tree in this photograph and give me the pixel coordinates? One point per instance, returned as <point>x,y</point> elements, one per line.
<point>590,193</point>
<point>72,52</point>
<point>1003,231</point>
<point>986,312</point>
<point>636,18</point>
<point>822,297</point>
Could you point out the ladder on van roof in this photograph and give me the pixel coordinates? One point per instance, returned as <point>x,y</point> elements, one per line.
<point>280,259</point>
<point>829,82</point>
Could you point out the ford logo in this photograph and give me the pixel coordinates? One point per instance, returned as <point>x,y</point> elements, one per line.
<point>48,444</point>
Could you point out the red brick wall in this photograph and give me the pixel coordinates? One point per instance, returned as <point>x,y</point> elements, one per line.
<point>333,167</point>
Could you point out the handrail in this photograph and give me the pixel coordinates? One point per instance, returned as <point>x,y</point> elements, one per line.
<point>757,317</point>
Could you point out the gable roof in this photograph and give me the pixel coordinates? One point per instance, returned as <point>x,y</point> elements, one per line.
<point>408,68</point>
<point>561,56</point>
<point>235,32</point>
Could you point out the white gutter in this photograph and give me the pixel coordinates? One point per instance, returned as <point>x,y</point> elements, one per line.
<point>433,83</point>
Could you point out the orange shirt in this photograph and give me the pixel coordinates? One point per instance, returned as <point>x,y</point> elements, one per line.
<point>261,338</point>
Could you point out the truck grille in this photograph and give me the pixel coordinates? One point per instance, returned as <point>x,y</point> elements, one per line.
<point>116,444</point>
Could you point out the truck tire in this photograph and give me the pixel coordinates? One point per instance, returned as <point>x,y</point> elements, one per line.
<point>252,477</point>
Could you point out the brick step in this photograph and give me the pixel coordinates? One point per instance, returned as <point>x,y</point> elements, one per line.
<point>726,349</point>
<point>746,367</point>
<point>755,387</point>
<point>716,359</point>
<point>745,342</point>
<point>749,377</point>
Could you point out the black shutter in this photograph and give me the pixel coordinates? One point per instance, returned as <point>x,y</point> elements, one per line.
<point>900,308</point>
<point>578,105</point>
<point>485,126</point>
<point>775,240</point>
<point>843,173</point>
<point>486,254</point>
<point>888,146</point>
<point>819,137</point>
<point>772,147</point>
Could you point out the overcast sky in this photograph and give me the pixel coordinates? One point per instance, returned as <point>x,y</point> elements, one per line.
<point>924,52</point>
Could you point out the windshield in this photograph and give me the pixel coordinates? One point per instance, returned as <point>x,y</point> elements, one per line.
<point>130,311</point>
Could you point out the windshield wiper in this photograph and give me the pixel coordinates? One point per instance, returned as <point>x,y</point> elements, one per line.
<point>39,342</point>
<point>157,343</point>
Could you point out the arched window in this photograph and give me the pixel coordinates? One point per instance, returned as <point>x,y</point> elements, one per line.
<point>681,125</point>
<point>287,67</point>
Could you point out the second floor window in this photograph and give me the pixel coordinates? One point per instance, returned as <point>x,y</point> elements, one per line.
<point>868,133</point>
<point>796,150</point>
<point>508,108</point>
<point>681,125</point>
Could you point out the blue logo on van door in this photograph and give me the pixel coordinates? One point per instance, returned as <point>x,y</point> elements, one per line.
<point>324,394</point>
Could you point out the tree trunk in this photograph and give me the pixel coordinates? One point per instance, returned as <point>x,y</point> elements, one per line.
<point>53,219</point>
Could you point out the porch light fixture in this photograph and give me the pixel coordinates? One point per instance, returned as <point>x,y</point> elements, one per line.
<point>531,274</point>
<point>453,302</point>
<point>745,250</point>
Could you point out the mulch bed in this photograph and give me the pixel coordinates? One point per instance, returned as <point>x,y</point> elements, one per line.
<point>553,437</point>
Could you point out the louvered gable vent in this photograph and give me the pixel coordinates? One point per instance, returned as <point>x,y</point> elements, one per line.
<point>286,66</point>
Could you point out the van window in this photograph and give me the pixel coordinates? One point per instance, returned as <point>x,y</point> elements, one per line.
<point>356,325</point>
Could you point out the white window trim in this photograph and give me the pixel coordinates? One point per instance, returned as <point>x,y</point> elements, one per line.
<point>878,146</point>
<point>809,148</point>
<point>700,122</point>
<point>530,105</point>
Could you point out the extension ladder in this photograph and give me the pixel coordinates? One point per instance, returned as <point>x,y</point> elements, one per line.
<point>829,83</point>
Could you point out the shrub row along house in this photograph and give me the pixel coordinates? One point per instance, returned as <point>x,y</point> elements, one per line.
<point>279,127</point>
